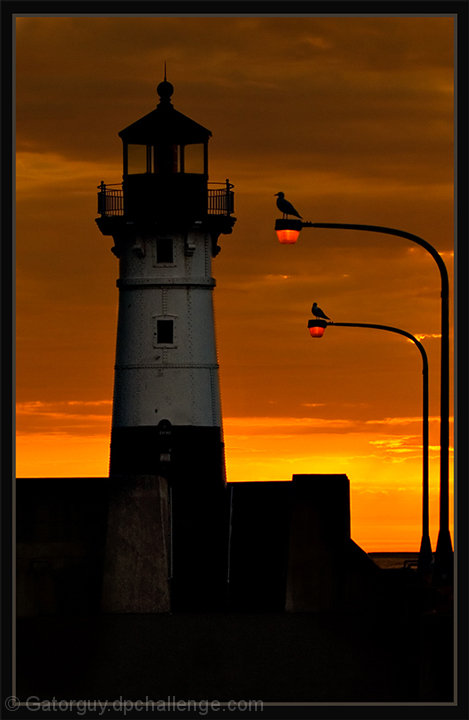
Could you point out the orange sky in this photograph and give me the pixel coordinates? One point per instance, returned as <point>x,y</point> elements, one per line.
<point>352,117</point>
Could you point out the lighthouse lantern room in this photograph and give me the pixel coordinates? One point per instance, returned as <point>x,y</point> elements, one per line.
<point>165,164</point>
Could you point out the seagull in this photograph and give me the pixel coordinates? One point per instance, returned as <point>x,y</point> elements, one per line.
<point>286,207</point>
<point>318,312</point>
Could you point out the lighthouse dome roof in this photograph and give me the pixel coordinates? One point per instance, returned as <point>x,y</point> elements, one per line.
<point>165,124</point>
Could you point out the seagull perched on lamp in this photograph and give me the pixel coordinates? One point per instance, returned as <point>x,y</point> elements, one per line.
<point>317,312</point>
<point>286,207</point>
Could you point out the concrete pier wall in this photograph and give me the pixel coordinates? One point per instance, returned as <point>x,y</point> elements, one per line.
<point>136,558</point>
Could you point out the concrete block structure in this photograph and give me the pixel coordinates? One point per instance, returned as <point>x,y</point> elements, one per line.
<point>60,539</point>
<point>138,536</point>
<point>319,534</point>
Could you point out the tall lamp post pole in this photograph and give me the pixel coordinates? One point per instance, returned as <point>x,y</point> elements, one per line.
<point>444,549</point>
<point>316,329</point>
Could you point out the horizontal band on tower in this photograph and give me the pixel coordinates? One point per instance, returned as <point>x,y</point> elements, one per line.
<point>161,366</point>
<point>173,282</point>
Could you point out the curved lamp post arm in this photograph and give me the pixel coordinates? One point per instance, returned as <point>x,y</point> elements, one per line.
<point>425,554</point>
<point>399,233</point>
<point>444,548</point>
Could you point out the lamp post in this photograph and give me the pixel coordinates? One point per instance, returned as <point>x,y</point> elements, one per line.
<point>316,329</point>
<point>288,232</point>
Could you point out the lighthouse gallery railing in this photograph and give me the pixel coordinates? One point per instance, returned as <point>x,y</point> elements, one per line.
<point>220,199</point>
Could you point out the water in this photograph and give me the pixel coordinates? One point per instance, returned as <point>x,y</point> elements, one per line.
<point>393,560</point>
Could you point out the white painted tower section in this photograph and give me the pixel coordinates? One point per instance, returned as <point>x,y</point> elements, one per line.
<point>166,359</point>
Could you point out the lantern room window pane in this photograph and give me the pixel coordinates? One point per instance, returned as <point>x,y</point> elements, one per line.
<point>194,159</point>
<point>166,159</point>
<point>137,159</point>
<point>164,332</point>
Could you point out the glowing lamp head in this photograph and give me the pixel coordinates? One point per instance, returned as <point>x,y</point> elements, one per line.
<point>316,328</point>
<point>288,231</point>
<point>287,237</point>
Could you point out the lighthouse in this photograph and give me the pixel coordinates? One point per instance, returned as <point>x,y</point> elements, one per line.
<point>165,220</point>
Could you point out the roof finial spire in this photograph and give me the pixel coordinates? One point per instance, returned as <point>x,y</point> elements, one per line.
<point>165,90</point>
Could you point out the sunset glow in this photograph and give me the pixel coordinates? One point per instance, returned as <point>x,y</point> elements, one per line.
<point>370,141</point>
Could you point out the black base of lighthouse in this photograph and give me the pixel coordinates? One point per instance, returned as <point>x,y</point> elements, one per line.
<point>192,461</point>
<point>177,452</point>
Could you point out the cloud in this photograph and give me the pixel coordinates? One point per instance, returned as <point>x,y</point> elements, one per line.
<point>63,418</point>
<point>404,447</point>
<point>283,425</point>
<point>42,172</point>
<point>34,407</point>
<point>401,420</point>
<point>274,425</point>
<point>364,74</point>
<point>404,420</point>
<point>423,336</point>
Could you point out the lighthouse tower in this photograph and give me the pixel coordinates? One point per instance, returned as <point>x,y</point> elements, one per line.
<point>165,220</point>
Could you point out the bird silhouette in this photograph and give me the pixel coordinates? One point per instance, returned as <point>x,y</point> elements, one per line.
<point>318,312</point>
<point>285,206</point>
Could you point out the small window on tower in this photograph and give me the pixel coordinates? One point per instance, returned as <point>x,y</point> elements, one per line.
<point>164,250</point>
<point>164,332</point>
